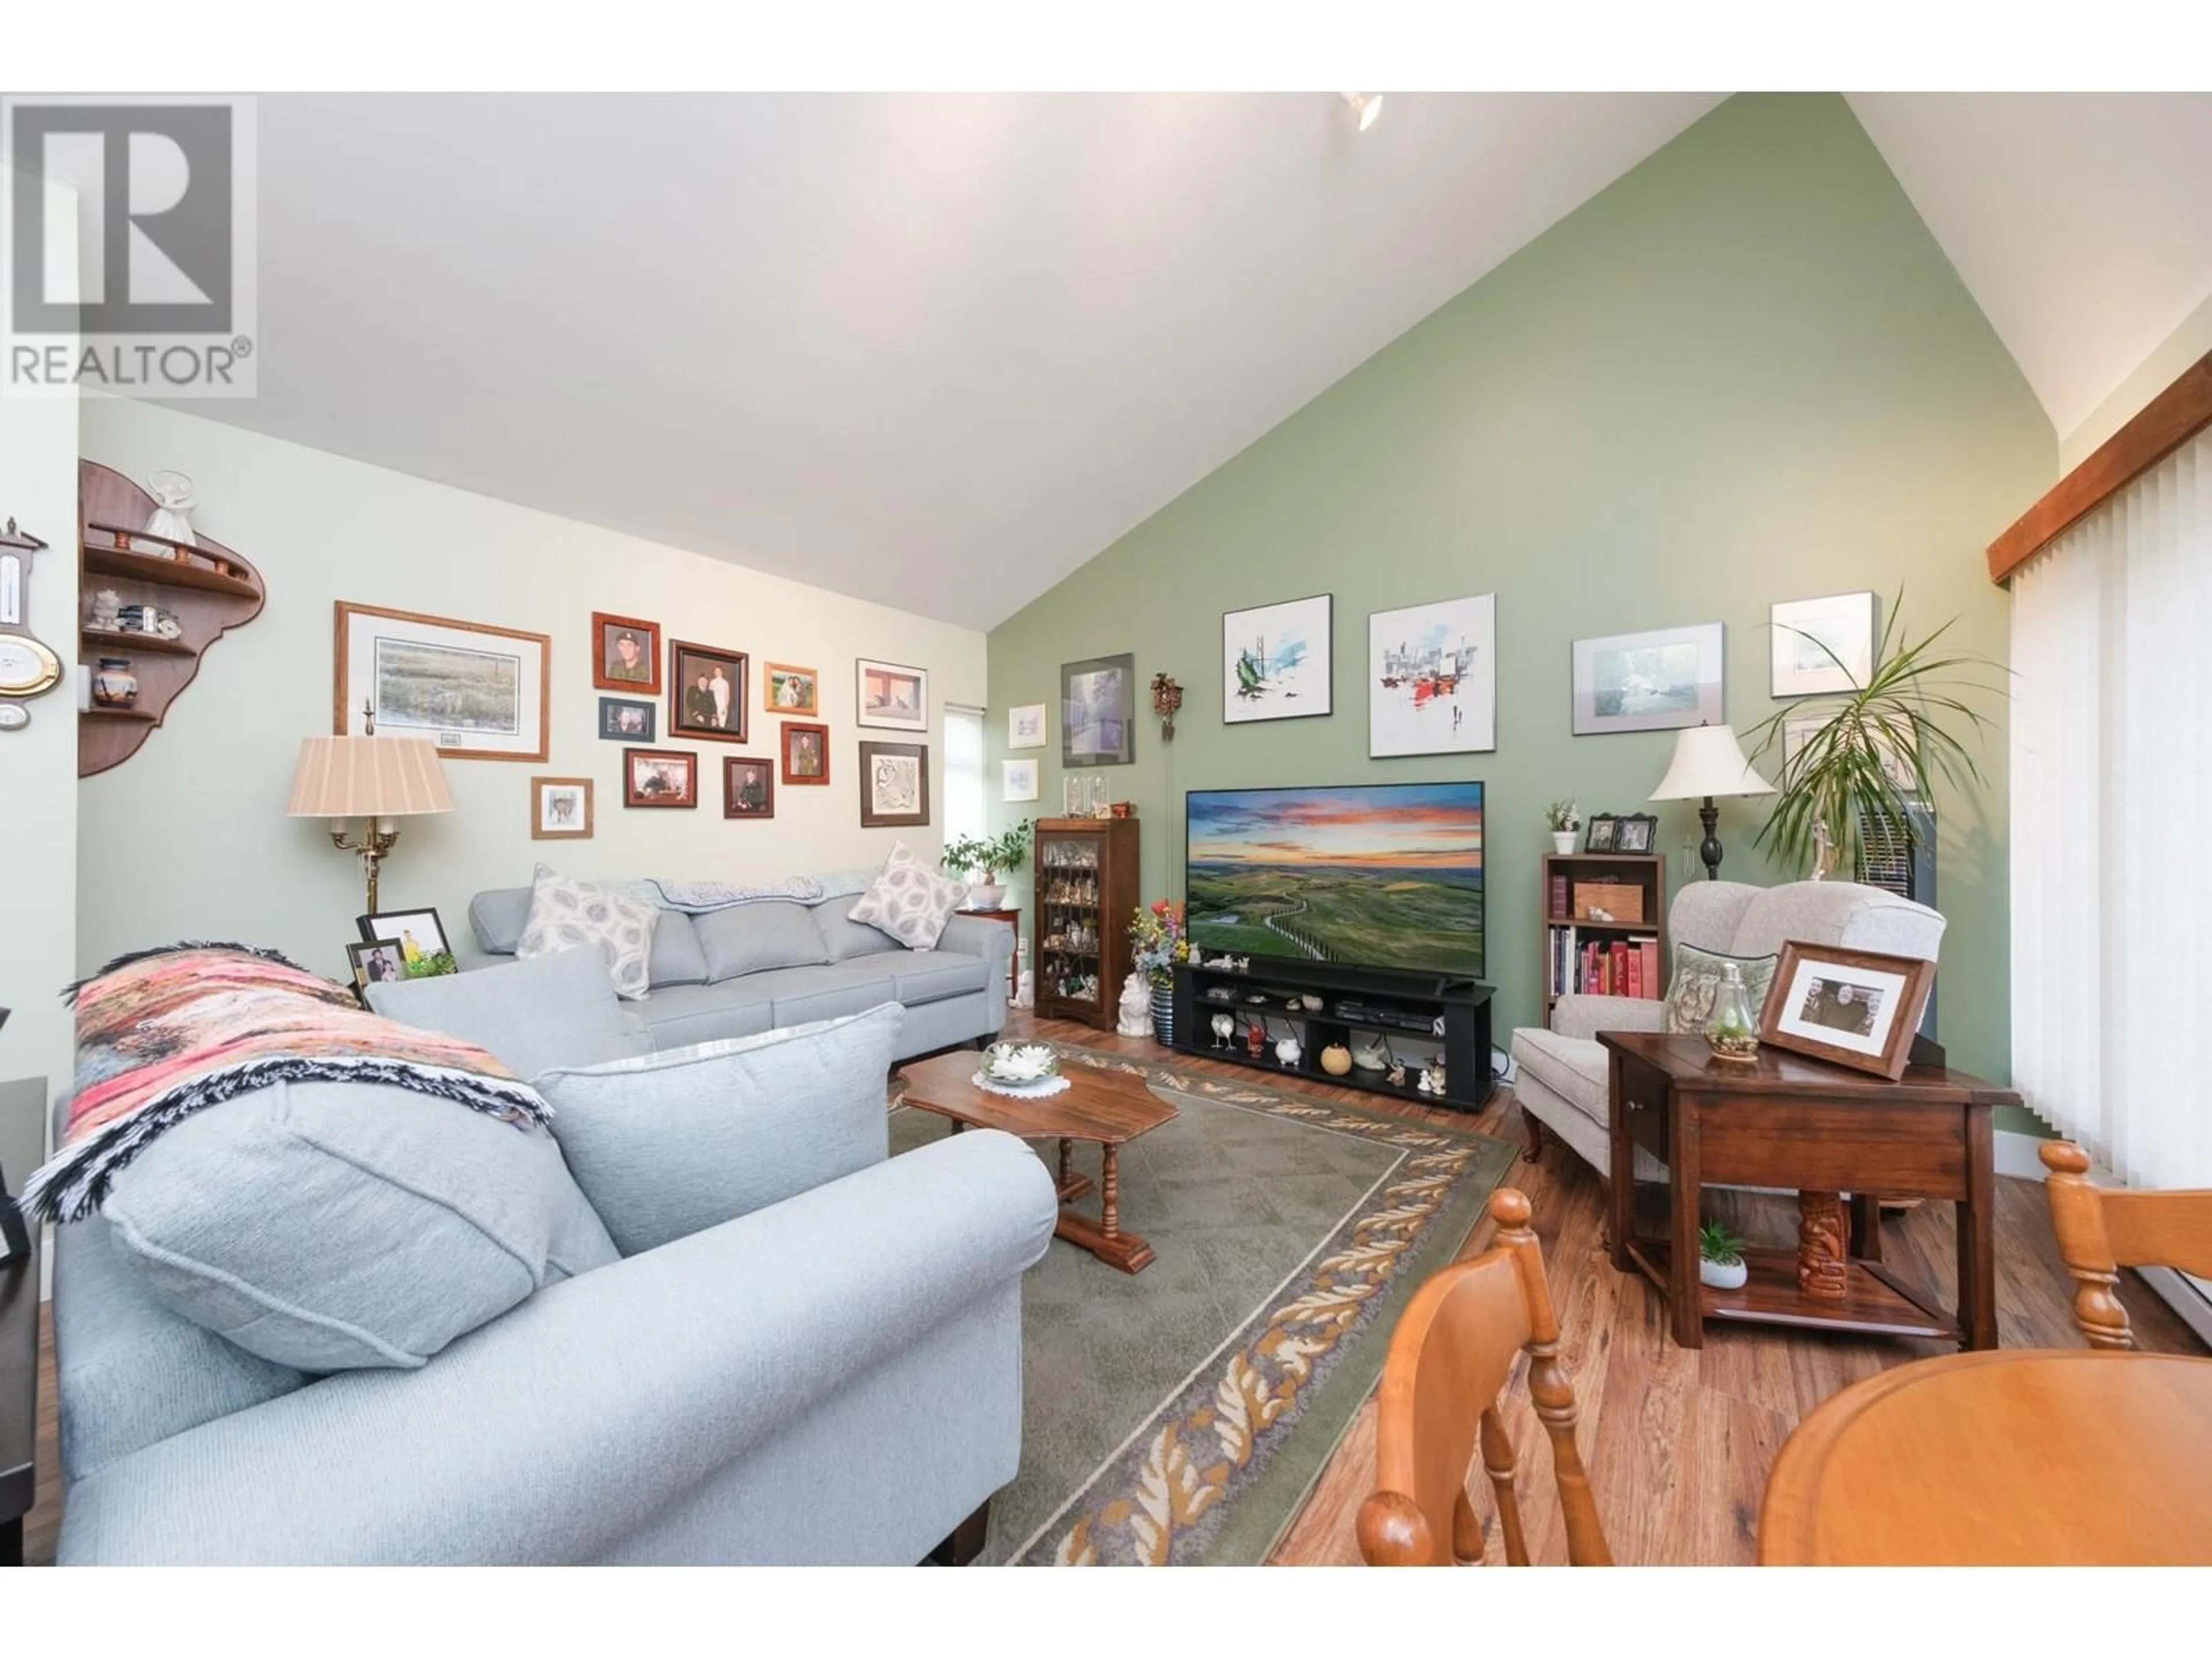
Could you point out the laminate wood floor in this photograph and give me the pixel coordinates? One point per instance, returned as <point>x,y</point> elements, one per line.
<point>1677,1440</point>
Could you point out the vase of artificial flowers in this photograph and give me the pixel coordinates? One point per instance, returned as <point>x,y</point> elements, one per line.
<point>1564,820</point>
<point>1156,932</point>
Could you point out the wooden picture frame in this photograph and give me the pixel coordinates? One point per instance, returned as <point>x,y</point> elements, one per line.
<point>408,669</point>
<point>780,679</point>
<point>638,786</point>
<point>549,819</point>
<point>1819,1005</point>
<point>890,696</point>
<point>748,788</point>
<point>796,769</point>
<point>707,712</point>
<point>894,785</point>
<point>610,670</point>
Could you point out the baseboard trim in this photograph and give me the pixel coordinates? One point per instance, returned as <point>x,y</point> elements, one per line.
<point>2014,1155</point>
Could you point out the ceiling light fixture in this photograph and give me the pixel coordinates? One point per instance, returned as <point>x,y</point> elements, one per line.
<point>1366,106</point>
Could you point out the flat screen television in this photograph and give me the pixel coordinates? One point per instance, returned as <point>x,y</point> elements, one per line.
<point>1377,875</point>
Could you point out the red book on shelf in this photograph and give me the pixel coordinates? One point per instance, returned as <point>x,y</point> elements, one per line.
<point>1635,972</point>
<point>1654,987</point>
<point>1618,968</point>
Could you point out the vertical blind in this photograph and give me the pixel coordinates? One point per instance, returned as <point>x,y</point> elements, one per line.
<point>2112,827</point>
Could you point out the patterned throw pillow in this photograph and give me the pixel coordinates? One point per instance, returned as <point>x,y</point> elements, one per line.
<point>1697,975</point>
<point>909,901</point>
<point>564,913</point>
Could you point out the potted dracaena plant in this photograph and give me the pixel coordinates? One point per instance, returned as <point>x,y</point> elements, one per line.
<point>1878,752</point>
<point>984,856</point>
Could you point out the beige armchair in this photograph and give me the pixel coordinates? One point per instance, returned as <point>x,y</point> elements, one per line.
<point>1560,1074</point>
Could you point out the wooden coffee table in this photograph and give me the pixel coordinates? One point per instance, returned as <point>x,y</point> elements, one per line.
<point>1110,1107</point>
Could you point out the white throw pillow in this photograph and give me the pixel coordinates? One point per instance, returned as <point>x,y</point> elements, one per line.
<point>565,912</point>
<point>909,901</point>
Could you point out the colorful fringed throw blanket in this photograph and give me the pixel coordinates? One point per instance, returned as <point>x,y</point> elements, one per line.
<point>163,1033</point>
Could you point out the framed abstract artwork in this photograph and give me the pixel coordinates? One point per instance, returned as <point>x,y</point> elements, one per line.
<point>1277,661</point>
<point>476,692</point>
<point>1025,726</point>
<point>894,785</point>
<point>1432,679</point>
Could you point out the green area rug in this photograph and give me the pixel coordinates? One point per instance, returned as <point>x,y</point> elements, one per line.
<point>1182,1415</point>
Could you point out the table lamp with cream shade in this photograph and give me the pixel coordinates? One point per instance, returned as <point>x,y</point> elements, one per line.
<point>378,780</point>
<point>1709,762</point>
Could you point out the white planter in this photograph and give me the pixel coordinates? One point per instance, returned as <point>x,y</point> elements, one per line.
<point>1562,841</point>
<point>986,896</point>
<point>1722,1275</point>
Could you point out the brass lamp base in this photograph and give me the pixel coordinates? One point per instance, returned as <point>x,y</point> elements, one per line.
<point>372,847</point>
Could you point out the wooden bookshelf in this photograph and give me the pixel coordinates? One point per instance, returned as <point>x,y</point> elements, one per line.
<point>1646,872</point>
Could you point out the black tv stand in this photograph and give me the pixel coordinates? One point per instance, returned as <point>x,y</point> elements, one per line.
<point>1357,1004</point>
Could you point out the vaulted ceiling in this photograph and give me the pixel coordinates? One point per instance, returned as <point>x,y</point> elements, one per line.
<point>939,351</point>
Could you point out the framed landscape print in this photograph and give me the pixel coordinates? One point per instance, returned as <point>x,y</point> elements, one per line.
<point>1855,1008</point>
<point>1275,661</point>
<point>1025,726</point>
<point>788,691</point>
<point>560,809</point>
<point>625,654</point>
<point>626,720</point>
<point>706,692</point>
<point>1432,679</point>
<point>893,697</point>
<point>894,785</point>
<point>1020,778</point>
<point>1098,711</point>
<point>1823,645</point>
<point>476,692</point>
<point>660,777</point>
<point>1656,682</point>
<point>805,752</point>
<point>748,788</point>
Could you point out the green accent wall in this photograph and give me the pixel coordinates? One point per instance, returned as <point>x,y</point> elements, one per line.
<point>1742,373</point>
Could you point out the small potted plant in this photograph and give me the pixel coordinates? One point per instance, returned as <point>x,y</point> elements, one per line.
<point>1564,821</point>
<point>1720,1258</point>
<point>984,856</point>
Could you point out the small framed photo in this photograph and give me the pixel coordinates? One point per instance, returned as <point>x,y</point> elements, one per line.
<point>748,788</point>
<point>377,963</point>
<point>625,655</point>
<point>894,785</point>
<point>1821,645</point>
<point>1855,1008</point>
<point>893,697</point>
<point>560,809</point>
<point>788,691</point>
<point>805,752</point>
<point>626,720</point>
<point>1025,726</point>
<point>1602,826</point>
<point>1635,832</point>
<point>660,777</point>
<point>1021,780</point>
<point>706,692</point>
<point>420,937</point>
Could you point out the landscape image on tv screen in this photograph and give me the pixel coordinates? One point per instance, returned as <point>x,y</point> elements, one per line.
<point>1386,876</point>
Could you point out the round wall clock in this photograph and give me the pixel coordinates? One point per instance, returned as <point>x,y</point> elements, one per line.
<point>27,666</point>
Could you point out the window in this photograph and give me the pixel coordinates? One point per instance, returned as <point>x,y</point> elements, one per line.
<point>965,811</point>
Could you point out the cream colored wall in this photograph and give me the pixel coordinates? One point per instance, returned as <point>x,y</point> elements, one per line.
<point>2157,372</point>
<point>188,838</point>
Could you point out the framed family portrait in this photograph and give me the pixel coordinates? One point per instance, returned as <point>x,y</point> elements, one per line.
<point>706,692</point>
<point>560,809</point>
<point>1025,726</point>
<point>788,691</point>
<point>377,963</point>
<point>626,720</point>
<point>660,777</point>
<point>476,692</point>
<point>420,936</point>
<point>1820,645</point>
<point>1658,681</point>
<point>1855,1008</point>
<point>748,788</point>
<point>805,752</point>
<point>894,785</point>
<point>892,696</point>
<point>625,654</point>
<point>1277,661</point>
<point>1098,711</point>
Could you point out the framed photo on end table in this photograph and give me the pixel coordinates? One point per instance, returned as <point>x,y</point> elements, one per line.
<point>1855,1008</point>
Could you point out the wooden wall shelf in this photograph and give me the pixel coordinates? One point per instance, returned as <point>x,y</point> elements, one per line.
<point>208,588</point>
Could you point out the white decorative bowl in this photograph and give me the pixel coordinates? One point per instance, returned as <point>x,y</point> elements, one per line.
<point>1018,1063</point>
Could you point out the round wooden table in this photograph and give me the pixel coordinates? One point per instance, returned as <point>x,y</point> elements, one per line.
<point>2025,1458</point>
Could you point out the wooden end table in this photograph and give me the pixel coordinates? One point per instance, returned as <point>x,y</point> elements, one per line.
<point>1110,1107</point>
<point>1783,1120</point>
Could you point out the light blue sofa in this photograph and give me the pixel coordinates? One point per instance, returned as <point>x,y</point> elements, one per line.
<point>759,967</point>
<point>833,1376</point>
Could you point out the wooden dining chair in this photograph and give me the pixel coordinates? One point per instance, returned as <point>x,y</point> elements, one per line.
<point>2102,1230</point>
<point>1448,1363</point>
